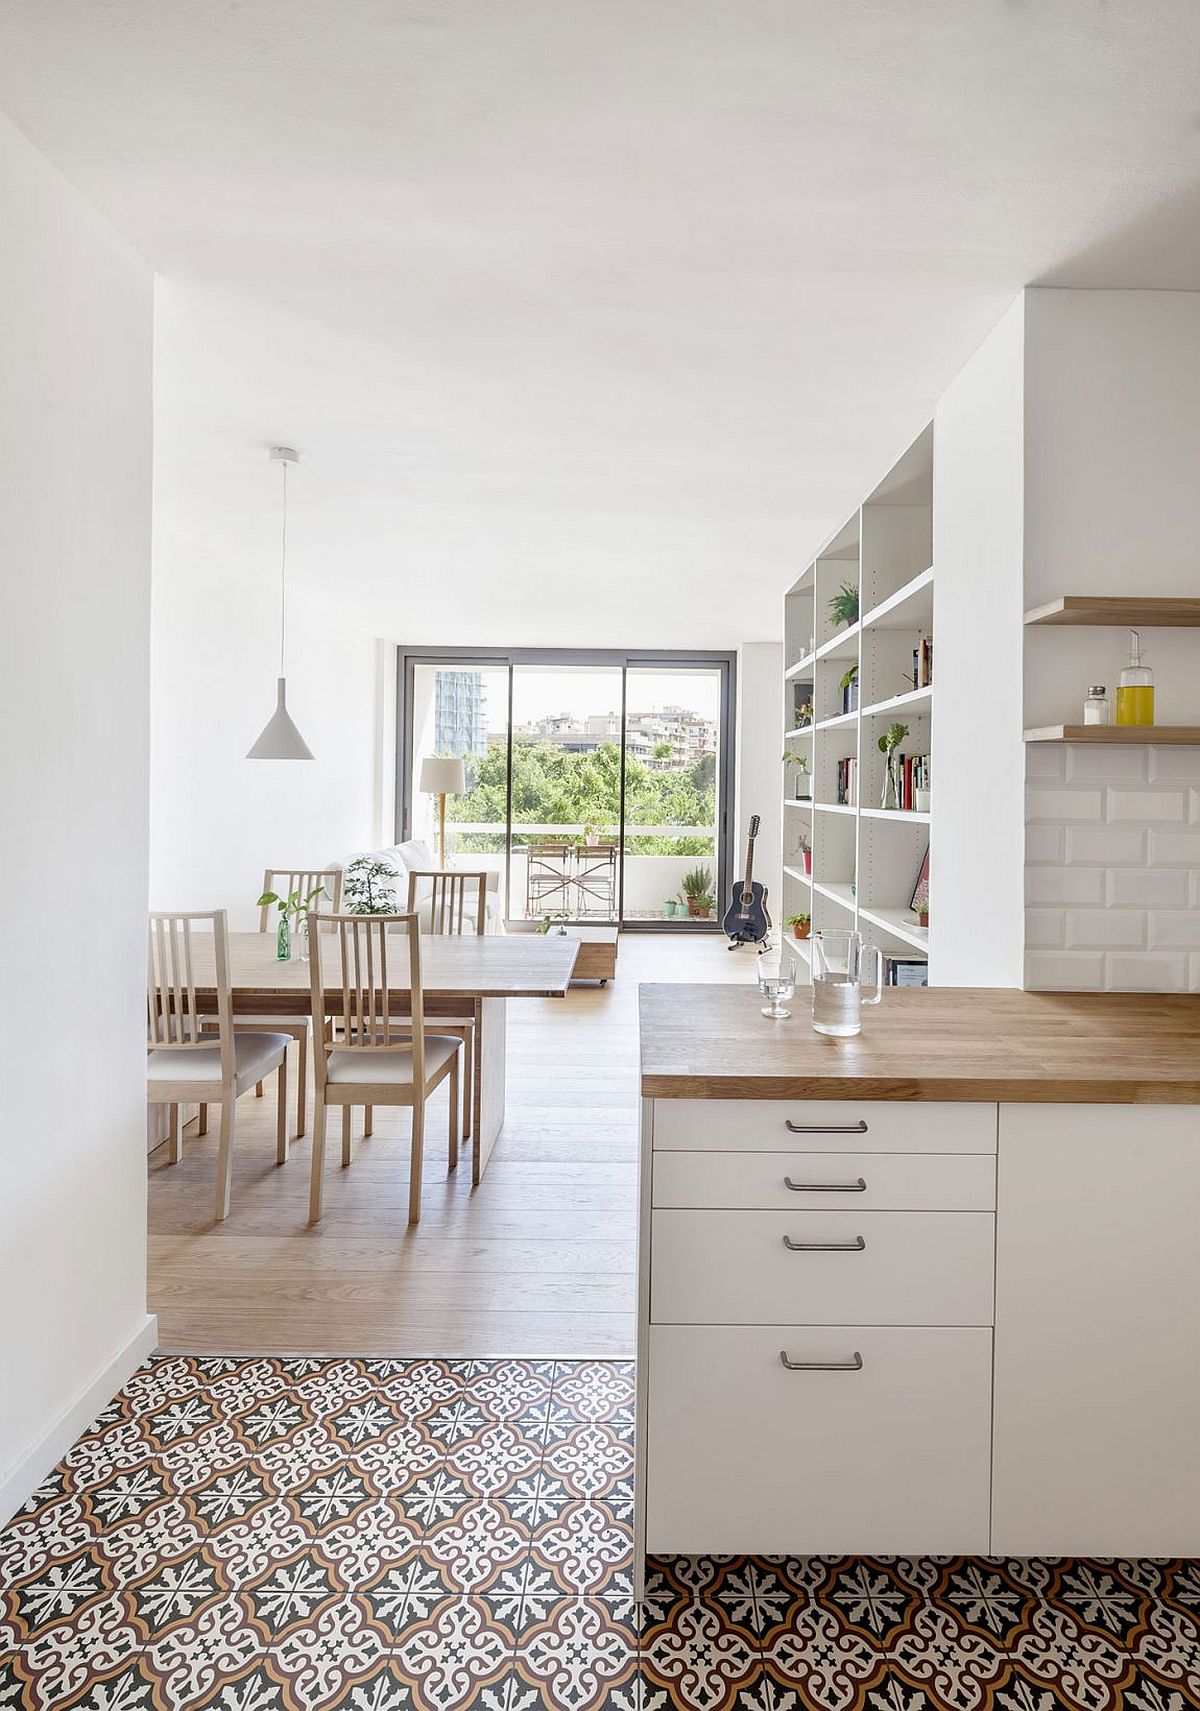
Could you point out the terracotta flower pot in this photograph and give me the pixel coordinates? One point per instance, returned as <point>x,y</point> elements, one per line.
<point>802,932</point>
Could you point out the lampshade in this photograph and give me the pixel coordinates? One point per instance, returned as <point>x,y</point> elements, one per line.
<point>443,775</point>
<point>279,739</point>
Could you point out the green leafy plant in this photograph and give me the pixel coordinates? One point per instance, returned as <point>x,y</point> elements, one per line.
<point>843,606</point>
<point>848,678</point>
<point>370,887</point>
<point>797,920</point>
<point>891,739</point>
<point>293,905</point>
<point>698,882</point>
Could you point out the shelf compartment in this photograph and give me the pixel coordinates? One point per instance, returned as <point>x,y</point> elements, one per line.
<point>1167,735</point>
<point>900,923</point>
<point>838,719</point>
<point>801,666</point>
<point>911,701</point>
<point>834,808</point>
<point>842,646</point>
<point>909,608</point>
<point>908,816</point>
<point>797,731</point>
<point>797,801</point>
<point>799,874</point>
<point>837,891</point>
<point>1145,613</point>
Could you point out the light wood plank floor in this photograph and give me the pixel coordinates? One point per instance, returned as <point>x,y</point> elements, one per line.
<point>538,1261</point>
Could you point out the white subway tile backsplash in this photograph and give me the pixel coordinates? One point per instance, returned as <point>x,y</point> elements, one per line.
<point>1175,849</point>
<point>1195,899</point>
<point>1194,972</point>
<point>1064,971</point>
<point>1104,846</point>
<point>1106,929</point>
<point>1175,927</point>
<point>1045,761</point>
<point>1148,888</point>
<point>1194,807</point>
<point>1064,885</point>
<point>1106,765</point>
<point>1044,843</point>
<point>1129,972</point>
<point>1142,806</point>
<point>1175,766</point>
<point>1045,928</point>
<point>1047,804</point>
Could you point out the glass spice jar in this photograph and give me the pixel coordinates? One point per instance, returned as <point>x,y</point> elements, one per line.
<point>1095,706</point>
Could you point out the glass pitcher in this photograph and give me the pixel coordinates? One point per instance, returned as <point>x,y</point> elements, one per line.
<point>840,960</point>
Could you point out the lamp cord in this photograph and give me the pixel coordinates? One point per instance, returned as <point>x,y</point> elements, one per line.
<point>283,575</point>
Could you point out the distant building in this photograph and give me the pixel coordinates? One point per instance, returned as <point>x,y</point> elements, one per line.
<point>459,713</point>
<point>687,735</point>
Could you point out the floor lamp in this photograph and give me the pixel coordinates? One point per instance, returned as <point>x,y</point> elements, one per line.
<point>442,776</point>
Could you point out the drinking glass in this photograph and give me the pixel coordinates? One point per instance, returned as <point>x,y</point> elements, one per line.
<point>839,963</point>
<point>777,980</point>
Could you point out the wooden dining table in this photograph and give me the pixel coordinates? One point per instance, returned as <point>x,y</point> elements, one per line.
<point>471,975</point>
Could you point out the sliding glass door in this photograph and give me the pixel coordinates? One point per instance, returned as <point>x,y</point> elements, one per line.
<point>595,785</point>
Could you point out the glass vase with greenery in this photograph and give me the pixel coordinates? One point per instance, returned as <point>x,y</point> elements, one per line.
<point>293,911</point>
<point>888,743</point>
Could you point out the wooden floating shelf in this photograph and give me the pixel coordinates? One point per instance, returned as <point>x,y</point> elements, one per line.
<point>1147,613</point>
<point>1179,735</point>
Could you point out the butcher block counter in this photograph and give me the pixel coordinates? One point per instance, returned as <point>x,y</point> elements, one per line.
<point>929,1290</point>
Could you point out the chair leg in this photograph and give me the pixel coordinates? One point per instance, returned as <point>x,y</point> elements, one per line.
<point>225,1155</point>
<point>454,1110</point>
<point>202,1121</point>
<point>174,1138</point>
<point>318,1158</point>
<point>368,1119</point>
<point>468,1098</point>
<point>417,1161</point>
<point>281,1122</point>
<point>302,1085</point>
<point>346,1110</point>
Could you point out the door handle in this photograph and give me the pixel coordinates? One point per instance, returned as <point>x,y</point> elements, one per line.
<point>854,1364</point>
<point>854,1247</point>
<point>859,1128</point>
<point>856,1187</point>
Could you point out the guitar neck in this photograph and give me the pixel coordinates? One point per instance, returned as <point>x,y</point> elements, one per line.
<point>749,880</point>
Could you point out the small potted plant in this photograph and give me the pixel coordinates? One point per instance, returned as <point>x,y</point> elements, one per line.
<point>843,606</point>
<point>370,887</point>
<point>290,933</point>
<point>698,890</point>
<point>922,914</point>
<point>887,745</point>
<point>800,925</point>
<point>804,851</point>
<point>800,786</point>
<point>804,714</point>
<point>669,908</point>
<point>849,688</point>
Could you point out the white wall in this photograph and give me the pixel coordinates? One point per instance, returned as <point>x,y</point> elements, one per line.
<point>75,447</point>
<point>977,834</point>
<point>1112,506</point>
<point>758,785</point>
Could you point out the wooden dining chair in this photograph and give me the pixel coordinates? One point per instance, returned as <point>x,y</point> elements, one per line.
<point>442,900</point>
<point>379,1058</point>
<point>283,881</point>
<point>189,1061</point>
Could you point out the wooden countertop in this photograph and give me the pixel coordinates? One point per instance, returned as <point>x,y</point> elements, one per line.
<point>710,1042</point>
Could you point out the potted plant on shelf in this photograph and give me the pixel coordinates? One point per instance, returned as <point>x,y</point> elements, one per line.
<point>800,785</point>
<point>888,743</point>
<point>843,606</point>
<point>698,889</point>
<point>800,925</point>
<point>849,688</point>
<point>290,933</point>
<point>804,853</point>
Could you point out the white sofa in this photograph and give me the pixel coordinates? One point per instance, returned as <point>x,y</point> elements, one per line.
<point>416,855</point>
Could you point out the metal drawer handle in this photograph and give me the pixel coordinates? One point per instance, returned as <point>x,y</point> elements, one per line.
<point>854,1247</point>
<point>859,1128</point>
<point>856,1187</point>
<point>854,1364</point>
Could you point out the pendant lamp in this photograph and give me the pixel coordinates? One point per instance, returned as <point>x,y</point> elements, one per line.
<point>279,739</point>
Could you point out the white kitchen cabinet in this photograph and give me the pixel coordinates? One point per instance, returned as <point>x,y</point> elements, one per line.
<point>1097,1364</point>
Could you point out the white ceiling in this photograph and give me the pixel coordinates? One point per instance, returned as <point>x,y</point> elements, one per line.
<point>608,311</point>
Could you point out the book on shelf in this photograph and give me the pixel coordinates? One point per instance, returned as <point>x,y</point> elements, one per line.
<point>905,971</point>
<point>922,662</point>
<point>913,776</point>
<point>847,782</point>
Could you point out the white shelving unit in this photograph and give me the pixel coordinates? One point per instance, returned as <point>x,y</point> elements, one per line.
<point>865,859</point>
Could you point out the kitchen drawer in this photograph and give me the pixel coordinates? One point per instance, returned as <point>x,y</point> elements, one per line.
<point>823,1125</point>
<point>888,1458</point>
<point>858,1182</point>
<point>734,1268</point>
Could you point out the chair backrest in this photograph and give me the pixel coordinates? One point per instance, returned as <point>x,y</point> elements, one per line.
<point>284,880</point>
<point>172,1019</point>
<point>352,966</point>
<point>447,893</point>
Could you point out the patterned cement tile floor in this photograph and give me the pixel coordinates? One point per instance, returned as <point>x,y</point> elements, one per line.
<point>438,1535</point>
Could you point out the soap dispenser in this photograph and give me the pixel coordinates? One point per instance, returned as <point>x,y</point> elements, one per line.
<point>1135,691</point>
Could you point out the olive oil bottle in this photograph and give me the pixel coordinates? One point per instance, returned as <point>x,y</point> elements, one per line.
<point>1135,691</point>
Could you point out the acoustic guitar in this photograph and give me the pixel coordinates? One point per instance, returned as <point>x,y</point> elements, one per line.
<point>746,920</point>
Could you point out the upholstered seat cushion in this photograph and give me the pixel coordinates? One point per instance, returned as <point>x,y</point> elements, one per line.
<point>255,1055</point>
<point>392,1065</point>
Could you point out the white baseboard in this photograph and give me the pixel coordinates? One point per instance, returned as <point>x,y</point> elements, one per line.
<point>31,1470</point>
